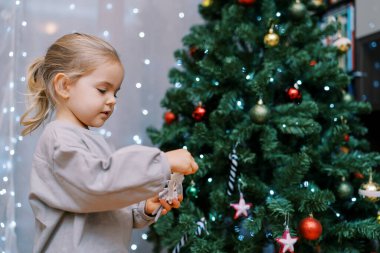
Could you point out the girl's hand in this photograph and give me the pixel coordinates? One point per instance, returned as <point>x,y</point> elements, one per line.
<point>182,161</point>
<point>154,203</point>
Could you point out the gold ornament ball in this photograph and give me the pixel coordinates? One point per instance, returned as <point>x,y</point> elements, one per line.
<point>378,217</point>
<point>298,10</point>
<point>317,3</point>
<point>259,113</point>
<point>343,48</point>
<point>347,97</point>
<point>271,39</point>
<point>345,190</point>
<point>370,191</point>
<point>343,44</point>
<point>206,3</point>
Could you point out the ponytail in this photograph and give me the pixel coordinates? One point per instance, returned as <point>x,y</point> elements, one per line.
<point>39,103</point>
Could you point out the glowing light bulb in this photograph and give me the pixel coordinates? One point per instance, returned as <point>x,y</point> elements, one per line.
<point>137,139</point>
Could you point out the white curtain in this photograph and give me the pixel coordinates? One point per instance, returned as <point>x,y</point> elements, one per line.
<point>145,32</point>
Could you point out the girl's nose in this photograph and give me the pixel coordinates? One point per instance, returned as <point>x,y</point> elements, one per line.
<point>111,100</point>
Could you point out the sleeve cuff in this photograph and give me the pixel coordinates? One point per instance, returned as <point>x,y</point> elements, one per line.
<point>143,215</point>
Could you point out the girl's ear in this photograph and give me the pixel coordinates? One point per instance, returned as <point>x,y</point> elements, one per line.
<point>62,85</point>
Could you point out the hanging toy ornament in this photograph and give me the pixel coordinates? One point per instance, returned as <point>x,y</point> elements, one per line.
<point>206,3</point>
<point>233,171</point>
<point>169,117</point>
<point>344,150</point>
<point>310,228</point>
<point>358,175</point>
<point>192,190</point>
<point>293,94</point>
<point>297,10</point>
<point>199,112</point>
<point>259,113</point>
<point>241,207</point>
<point>247,2</point>
<point>344,189</point>
<point>201,226</point>
<point>316,4</point>
<point>347,97</point>
<point>196,53</point>
<point>271,39</point>
<point>370,191</point>
<point>312,63</point>
<point>286,240</point>
<point>343,44</point>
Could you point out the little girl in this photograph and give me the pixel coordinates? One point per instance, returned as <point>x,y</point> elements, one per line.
<point>86,197</point>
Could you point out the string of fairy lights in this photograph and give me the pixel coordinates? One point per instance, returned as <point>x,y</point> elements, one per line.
<point>8,121</point>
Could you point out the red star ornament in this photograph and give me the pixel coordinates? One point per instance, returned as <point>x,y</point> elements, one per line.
<point>241,207</point>
<point>287,242</point>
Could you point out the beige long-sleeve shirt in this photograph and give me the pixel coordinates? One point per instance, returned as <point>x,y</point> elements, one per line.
<point>86,197</point>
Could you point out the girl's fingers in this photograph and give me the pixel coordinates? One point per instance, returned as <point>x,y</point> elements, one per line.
<point>194,166</point>
<point>165,205</point>
<point>176,203</point>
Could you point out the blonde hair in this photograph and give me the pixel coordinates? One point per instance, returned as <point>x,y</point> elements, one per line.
<point>74,55</point>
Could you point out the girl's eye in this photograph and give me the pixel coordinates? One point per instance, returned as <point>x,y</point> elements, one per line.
<point>102,91</point>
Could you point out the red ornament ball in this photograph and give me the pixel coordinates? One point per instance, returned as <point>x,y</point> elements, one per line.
<point>294,95</point>
<point>247,1</point>
<point>346,138</point>
<point>169,117</point>
<point>313,63</point>
<point>358,175</point>
<point>196,53</point>
<point>199,113</point>
<point>310,228</point>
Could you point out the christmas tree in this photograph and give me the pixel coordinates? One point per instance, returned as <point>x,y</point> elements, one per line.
<point>261,102</point>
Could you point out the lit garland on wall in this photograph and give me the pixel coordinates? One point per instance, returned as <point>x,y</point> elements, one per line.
<point>8,124</point>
